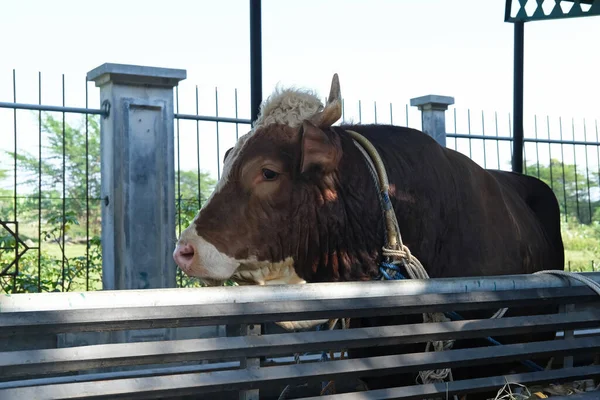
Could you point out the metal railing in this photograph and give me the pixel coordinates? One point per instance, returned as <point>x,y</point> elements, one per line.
<point>217,365</point>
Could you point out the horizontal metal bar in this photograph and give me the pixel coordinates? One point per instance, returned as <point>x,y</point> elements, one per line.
<point>418,392</point>
<point>18,323</point>
<point>142,372</point>
<point>33,362</point>
<point>581,333</point>
<point>39,107</point>
<point>565,142</point>
<point>528,140</point>
<point>243,379</point>
<point>113,299</point>
<point>483,137</point>
<point>593,395</point>
<point>35,196</point>
<point>135,373</point>
<point>208,118</point>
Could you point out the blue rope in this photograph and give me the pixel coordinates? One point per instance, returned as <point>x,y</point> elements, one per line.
<point>324,356</point>
<point>450,314</point>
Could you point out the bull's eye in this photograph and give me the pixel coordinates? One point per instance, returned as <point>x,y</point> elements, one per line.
<point>269,175</point>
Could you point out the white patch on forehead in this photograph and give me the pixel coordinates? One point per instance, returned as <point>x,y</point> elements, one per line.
<point>227,165</point>
<point>288,107</point>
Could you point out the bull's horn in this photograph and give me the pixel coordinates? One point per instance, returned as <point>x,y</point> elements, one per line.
<point>335,93</point>
<point>300,325</point>
<point>333,110</point>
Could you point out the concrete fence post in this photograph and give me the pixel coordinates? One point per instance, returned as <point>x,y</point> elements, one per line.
<point>137,174</point>
<point>433,115</point>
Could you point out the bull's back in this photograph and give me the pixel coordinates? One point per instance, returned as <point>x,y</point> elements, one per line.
<point>540,200</point>
<point>464,219</point>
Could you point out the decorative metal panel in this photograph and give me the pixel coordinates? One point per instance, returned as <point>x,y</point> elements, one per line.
<point>540,10</point>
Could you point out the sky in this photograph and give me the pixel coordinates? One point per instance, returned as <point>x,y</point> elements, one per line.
<point>383,50</point>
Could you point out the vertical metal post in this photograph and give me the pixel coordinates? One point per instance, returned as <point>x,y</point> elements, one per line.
<point>138,177</point>
<point>250,363</point>
<point>255,63</point>
<point>433,115</point>
<point>517,157</point>
<point>569,334</point>
<point>255,58</point>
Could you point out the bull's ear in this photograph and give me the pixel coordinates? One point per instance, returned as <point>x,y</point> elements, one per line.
<point>318,150</point>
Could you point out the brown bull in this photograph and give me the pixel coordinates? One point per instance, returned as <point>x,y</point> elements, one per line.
<point>297,203</point>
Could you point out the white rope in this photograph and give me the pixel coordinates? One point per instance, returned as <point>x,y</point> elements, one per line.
<point>415,270</point>
<point>330,326</point>
<point>595,286</point>
<point>285,391</point>
<point>396,251</point>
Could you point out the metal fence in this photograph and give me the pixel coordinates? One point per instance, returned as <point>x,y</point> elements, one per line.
<point>50,181</point>
<point>50,168</point>
<point>567,157</point>
<point>255,365</point>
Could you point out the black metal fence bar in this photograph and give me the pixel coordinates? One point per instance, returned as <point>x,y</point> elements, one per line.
<point>569,166</point>
<point>527,140</point>
<point>48,180</point>
<point>64,109</point>
<point>482,137</point>
<point>209,118</point>
<point>39,196</point>
<point>96,111</point>
<point>190,196</point>
<point>15,193</point>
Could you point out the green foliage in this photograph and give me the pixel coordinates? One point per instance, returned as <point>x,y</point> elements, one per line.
<point>191,193</point>
<point>81,170</point>
<point>51,273</point>
<point>582,245</point>
<point>571,187</point>
<point>67,259</point>
<point>580,214</point>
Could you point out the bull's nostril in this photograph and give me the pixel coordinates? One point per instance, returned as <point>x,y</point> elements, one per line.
<point>184,255</point>
<point>187,252</point>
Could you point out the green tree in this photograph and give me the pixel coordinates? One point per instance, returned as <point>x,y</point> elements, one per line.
<point>571,186</point>
<point>574,187</point>
<point>191,194</point>
<point>6,206</point>
<point>78,150</point>
<point>68,265</point>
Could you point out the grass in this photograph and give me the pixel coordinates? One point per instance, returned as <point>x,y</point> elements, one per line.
<point>582,246</point>
<point>52,249</point>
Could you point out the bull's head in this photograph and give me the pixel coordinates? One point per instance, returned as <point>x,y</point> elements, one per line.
<point>277,215</point>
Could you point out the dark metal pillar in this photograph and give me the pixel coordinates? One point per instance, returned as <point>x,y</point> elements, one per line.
<point>517,156</point>
<point>255,59</point>
<point>256,72</point>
